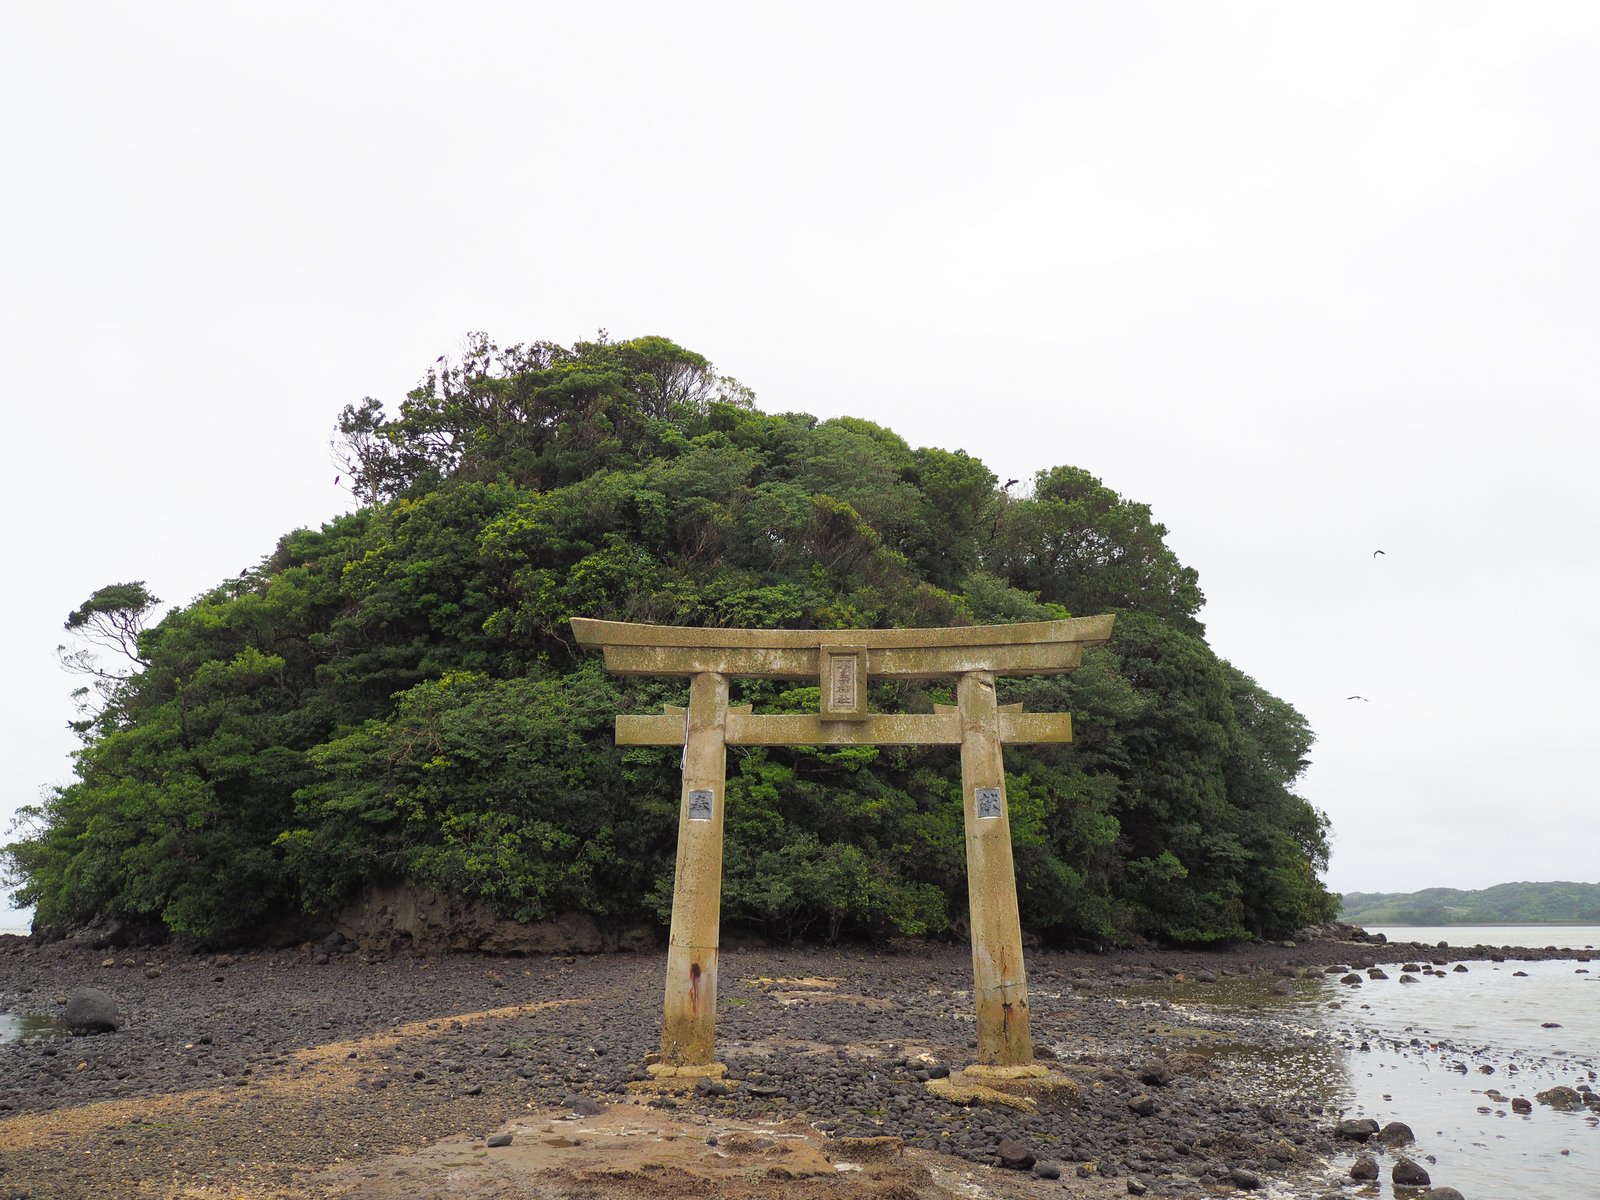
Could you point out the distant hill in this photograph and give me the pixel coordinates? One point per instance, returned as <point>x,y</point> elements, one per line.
<point>1578,903</point>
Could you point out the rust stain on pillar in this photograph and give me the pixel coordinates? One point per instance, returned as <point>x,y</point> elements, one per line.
<point>688,1031</point>
<point>1000,986</point>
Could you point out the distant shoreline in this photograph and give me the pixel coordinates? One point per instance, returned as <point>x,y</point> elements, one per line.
<point>1477,925</point>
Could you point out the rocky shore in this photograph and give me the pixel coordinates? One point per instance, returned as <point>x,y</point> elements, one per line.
<point>329,1070</point>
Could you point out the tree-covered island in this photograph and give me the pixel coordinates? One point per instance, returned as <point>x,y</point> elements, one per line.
<point>397,695</point>
<point>1529,903</point>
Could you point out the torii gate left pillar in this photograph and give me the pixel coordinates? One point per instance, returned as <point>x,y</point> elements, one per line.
<point>842,661</point>
<point>688,1032</point>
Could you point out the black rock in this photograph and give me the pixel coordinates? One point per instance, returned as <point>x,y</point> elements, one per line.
<point>1247,1181</point>
<point>1357,1129</point>
<point>1143,1104</point>
<point>89,1010</point>
<point>1563,1098</point>
<point>1015,1155</point>
<point>1156,1073</point>
<point>1364,1169</point>
<point>499,1139</point>
<point>1396,1133</point>
<point>1046,1170</point>
<point>1407,1173</point>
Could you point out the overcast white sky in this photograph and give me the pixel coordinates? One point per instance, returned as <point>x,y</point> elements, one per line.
<point>1309,279</point>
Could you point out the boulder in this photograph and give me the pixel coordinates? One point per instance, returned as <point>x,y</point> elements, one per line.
<point>1015,1155</point>
<point>1356,1129</point>
<point>1408,1173</point>
<point>1156,1073</point>
<point>89,1010</point>
<point>1364,1169</point>
<point>1396,1133</point>
<point>1563,1098</point>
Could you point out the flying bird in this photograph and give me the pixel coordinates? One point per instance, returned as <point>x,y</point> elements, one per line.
<point>1010,483</point>
<point>1363,699</point>
<point>336,479</point>
<point>1375,553</point>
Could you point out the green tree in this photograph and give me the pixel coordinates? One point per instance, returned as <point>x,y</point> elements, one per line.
<point>397,695</point>
<point>1077,543</point>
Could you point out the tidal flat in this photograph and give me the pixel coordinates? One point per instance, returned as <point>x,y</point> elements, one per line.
<point>326,1071</point>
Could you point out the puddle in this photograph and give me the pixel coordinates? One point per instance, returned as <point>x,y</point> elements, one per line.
<point>15,1027</point>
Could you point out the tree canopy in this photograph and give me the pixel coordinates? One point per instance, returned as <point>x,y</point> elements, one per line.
<point>397,696</point>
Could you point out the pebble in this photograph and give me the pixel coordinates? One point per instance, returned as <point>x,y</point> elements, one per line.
<point>1164,1149</point>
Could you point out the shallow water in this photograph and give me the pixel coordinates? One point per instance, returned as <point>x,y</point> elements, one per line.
<point>1574,937</point>
<point>1415,1052</point>
<point>1437,1048</point>
<point>14,1026</point>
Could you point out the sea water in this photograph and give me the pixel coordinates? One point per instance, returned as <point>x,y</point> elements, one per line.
<point>1440,1053</point>
<point>1446,1054</point>
<point>1535,936</point>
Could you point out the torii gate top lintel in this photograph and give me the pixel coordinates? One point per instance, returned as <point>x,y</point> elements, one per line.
<point>1027,648</point>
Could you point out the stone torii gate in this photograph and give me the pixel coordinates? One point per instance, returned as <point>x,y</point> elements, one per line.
<point>842,661</point>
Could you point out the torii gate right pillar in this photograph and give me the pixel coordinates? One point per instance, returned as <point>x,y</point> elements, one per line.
<point>999,980</point>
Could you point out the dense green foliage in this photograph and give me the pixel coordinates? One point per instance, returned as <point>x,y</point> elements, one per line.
<point>397,695</point>
<point>1522,902</point>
